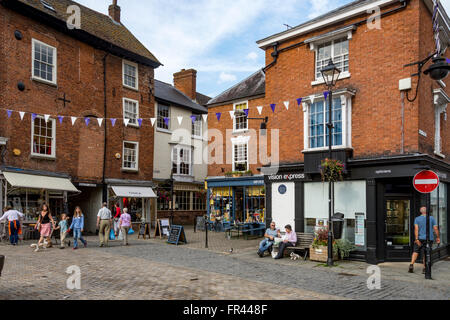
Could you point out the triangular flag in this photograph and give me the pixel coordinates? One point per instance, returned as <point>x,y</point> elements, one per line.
<point>448,60</point>
<point>273,106</point>
<point>299,101</point>
<point>113,121</point>
<point>46,117</point>
<point>100,121</point>
<point>232,114</point>
<point>60,118</point>
<point>286,104</point>
<point>33,116</point>
<point>325,94</point>
<point>126,122</point>
<point>166,121</point>
<point>205,117</point>
<point>193,118</point>
<point>9,112</point>
<point>260,109</point>
<point>218,115</point>
<point>140,122</point>
<point>246,112</point>
<point>22,114</point>
<point>73,120</point>
<point>312,98</point>
<point>180,120</point>
<point>153,120</point>
<point>87,120</point>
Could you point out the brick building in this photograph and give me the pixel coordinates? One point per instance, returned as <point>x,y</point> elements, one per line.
<point>381,137</point>
<point>100,74</point>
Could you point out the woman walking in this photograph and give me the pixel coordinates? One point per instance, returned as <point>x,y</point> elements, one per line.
<point>45,225</point>
<point>117,214</point>
<point>125,225</point>
<point>78,227</point>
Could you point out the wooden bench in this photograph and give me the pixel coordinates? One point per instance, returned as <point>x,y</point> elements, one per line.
<point>247,232</point>
<point>304,242</point>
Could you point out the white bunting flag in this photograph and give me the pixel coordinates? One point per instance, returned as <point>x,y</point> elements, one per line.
<point>260,109</point>
<point>180,120</point>
<point>22,114</point>
<point>286,104</point>
<point>205,117</point>
<point>126,122</point>
<point>312,98</point>
<point>153,120</point>
<point>73,120</point>
<point>100,121</point>
<point>232,114</point>
<point>46,117</point>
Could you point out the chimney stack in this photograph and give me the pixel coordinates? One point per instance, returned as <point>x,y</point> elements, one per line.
<point>186,82</point>
<point>114,11</point>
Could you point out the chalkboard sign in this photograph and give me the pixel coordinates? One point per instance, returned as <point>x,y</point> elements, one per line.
<point>144,230</point>
<point>162,228</point>
<point>177,235</point>
<point>200,224</point>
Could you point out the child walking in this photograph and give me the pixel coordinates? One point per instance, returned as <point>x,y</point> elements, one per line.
<point>63,226</point>
<point>77,226</point>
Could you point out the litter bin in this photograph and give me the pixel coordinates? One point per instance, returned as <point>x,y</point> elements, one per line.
<point>338,225</point>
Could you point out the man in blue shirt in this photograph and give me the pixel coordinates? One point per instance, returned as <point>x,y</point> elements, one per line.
<point>269,240</point>
<point>420,232</point>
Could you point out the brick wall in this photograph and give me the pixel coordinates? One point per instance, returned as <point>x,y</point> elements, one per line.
<point>79,150</point>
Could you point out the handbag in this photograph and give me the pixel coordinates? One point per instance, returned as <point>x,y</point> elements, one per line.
<point>112,235</point>
<point>131,231</point>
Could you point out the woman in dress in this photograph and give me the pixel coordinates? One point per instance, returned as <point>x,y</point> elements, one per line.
<point>46,223</point>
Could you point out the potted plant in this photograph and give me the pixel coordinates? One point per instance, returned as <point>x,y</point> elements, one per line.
<point>332,170</point>
<point>248,173</point>
<point>319,248</point>
<point>344,247</point>
<point>237,174</point>
<point>229,174</point>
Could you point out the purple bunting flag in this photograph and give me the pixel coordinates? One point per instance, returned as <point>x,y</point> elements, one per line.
<point>325,94</point>
<point>166,121</point>
<point>448,60</point>
<point>113,122</point>
<point>33,116</point>
<point>9,112</point>
<point>246,112</point>
<point>218,115</point>
<point>299,101</point>
<point>140,122</point>
<point>87,120</point>
<point>273,106</point>
<point>193,118</point>
<point>60,118</point>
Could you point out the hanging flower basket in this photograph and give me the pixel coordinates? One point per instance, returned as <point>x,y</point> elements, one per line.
<point>332,170</point>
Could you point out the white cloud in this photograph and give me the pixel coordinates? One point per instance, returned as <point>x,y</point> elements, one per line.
<point>227,77</point>
<point>252,56</point>
<point>319,7</point>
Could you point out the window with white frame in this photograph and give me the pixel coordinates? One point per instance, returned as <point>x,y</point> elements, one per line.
<point>240,117</point>
<point>337,50</point>
<point>44,62</point>
<point>318,119</point>
<point>441,100</point>
<point>182,160</point>
<point>183,200</point>
<point>43,135</point>
<point>131,111</point>
<point>130,75</point>
<point>197,126</point>
<point>240,157</point>
<point>130,156</point>
<point>163,113</point>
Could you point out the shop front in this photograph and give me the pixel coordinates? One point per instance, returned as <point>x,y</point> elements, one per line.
<point>237,199</point>
<point>378,201</point>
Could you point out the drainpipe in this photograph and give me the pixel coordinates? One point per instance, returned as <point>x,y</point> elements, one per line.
<point>105,128</point>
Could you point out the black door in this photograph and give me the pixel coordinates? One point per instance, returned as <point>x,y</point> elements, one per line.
<point>397,232</point>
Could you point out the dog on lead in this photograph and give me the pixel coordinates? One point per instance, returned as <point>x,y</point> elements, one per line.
<point>294,256</point>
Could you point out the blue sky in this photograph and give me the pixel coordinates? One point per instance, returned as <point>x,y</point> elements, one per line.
<point>215,37</point>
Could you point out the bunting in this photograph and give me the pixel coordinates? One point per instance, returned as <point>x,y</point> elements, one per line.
<point>60,118</point>
<point>113,122</point>
<point>232,114</point>
<point>140,121</point>
<point>286,104</point>
<point>299,101</point>
<point>193,118</point>
<point>100,121</point>
<point>126,122</point>
<point>87,120</point>
<point>246,111</point>
<point>273,106</point>
<point>46,117</point>
<point>260,109</point>
<point>74,119</point>
<point>325,94</point>
<point>166,121</point>
<point>153,120</point>
<point>22,114</point>
<point>180,120</point>
<point>9,113</point>
<point>205,117</point>
<point>218,115</point>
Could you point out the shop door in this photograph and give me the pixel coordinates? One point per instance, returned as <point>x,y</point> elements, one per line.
<point>239,205</point>
<point>397,234</point>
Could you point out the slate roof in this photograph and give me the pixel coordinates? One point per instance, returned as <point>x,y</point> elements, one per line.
<point>202,99</point>
<point>167,93</point>
<point>255,85</point>
<point>94,23</point>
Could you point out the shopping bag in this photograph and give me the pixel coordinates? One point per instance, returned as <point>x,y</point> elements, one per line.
<point>131,231</point>
<point>111,235</point>
<point>120,236</point>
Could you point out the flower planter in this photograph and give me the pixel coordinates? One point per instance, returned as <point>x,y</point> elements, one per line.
<point>320,254</point>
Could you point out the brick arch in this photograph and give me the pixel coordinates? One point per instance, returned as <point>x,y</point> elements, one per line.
<point>91,113</point>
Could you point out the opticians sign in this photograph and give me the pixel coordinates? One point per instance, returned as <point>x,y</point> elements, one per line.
<point>286,177</point>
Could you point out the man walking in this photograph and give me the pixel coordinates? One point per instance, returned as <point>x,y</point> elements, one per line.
<point>104,218</point>
<point>13,217</point>
<point>420,233</point>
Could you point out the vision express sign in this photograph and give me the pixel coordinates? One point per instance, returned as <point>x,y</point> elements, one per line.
<point>286,177</point>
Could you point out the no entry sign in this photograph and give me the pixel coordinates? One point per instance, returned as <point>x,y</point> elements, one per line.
<point>426,181</point>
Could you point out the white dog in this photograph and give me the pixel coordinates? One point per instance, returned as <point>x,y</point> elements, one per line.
<point>44,245</point>
<point>294,256</point>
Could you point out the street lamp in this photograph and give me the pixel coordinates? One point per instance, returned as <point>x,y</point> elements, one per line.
<point>330,75</point>
<point>263,126</point>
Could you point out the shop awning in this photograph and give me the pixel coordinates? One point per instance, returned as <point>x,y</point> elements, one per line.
<point>133,192</point>
<point>21,180</point>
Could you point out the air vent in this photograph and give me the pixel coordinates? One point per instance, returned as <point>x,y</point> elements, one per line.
<point>48,6</point>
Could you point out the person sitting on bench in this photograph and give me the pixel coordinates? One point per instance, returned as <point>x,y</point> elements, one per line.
<point>289,241</point>
<point>267,243</point>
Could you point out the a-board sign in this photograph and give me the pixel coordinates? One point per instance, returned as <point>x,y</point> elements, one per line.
<point>177,235</point>
<point>200,223</point>
<point>144,230</point>
<point>162,228</point>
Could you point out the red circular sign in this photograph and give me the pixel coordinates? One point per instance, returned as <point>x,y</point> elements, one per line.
<point>426,181</point>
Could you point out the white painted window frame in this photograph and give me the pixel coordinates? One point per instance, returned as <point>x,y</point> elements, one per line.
<point>176,149</point>
<point>133,64</point>
<point>55,64</point>
<point>234,118</point>
<point>132,124</point>
<point>164,130</point>
<point>441,100</point>
<point>137,156</point>
<point>53,155</point>
<point>200,120</point>
<point>241,140</point>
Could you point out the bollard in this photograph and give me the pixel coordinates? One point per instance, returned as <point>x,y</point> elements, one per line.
<point>206,234</point>
<point>195,225</point>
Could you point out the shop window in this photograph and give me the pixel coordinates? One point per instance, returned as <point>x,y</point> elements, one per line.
<point>222,203</point>
<point>199,201</point>
<point>240,157</point>
<point>163,112</point>
<point>131,111</point>
<point>337,50</point>
<point>44,62</point>
<point>181,160</point>
<point>163,201</point>
<point>318,119</point>
<point>439,211</point>
<point>183,200</point>
<point>197,126</point>
<point>43,134</point>
<point>130,156</point>
<point>255,204</point>
<point>240,118</point>
<point>130,75</point>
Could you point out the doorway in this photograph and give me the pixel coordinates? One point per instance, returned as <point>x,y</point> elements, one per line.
<point>397,235</point>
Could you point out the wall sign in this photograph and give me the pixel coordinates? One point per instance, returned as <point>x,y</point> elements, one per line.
<point>282,189</point>
<point>360,230</point>
<point>286,177</point>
